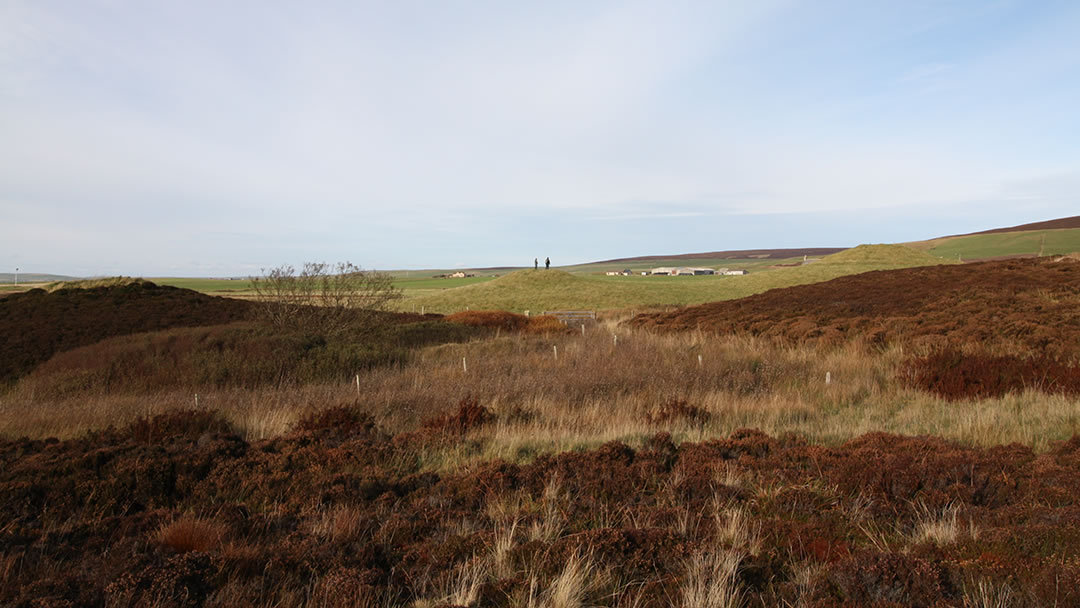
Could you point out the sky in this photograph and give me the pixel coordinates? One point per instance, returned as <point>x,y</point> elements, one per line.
<point>207,138</point>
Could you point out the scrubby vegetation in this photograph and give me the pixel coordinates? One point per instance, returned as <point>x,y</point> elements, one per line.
<point>920,450</point>
<point>37,324</point>
<point>1016,306</point>
<point>177,510</point>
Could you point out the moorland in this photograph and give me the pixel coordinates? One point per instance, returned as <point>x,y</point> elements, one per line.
<point>875,429</point>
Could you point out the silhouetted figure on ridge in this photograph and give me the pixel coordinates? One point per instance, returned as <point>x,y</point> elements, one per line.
<point>547,263</point>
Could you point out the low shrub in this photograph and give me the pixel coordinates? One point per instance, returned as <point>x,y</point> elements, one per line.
<point>495,319</point>
<point>188,424</point>
<point>954,375</point>
<point>546,324</point>
<point>469,415</point>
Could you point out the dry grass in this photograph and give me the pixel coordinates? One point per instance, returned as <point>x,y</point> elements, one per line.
<point>464,587</point>
<point>985,594</point>
<point>709,580</point>
<point>570,588</point>
<point>189,533</point>
<point>595,391</point>
<point>940,527</point>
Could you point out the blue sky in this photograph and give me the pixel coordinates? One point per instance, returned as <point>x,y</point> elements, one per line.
<point>218,138</point>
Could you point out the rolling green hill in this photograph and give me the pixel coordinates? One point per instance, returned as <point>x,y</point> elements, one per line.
<point>539,290</point>
<point>1004,244</point>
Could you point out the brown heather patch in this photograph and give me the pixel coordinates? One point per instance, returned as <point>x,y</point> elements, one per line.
<point>500,319</point>
<point>1017,306</point>
<point>954,375</point>
<point>38,324</point>
<point>345,520</point>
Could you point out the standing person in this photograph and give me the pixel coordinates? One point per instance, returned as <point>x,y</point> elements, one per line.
<point>536,264</point>
<point>547,263</point>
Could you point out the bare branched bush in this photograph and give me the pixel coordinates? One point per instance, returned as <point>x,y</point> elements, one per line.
<point>323,298</point>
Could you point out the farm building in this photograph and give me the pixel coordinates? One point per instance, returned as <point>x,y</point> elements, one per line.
<point>615,273</point>
<point>732,273</point>
<point>681,271</point>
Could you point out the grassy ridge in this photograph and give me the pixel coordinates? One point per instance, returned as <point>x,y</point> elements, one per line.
<point>981,246</point>
<point>557,290</point>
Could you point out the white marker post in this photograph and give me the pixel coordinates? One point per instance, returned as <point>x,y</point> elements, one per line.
<point>583,329</point>
<point>555,347</point>
<point>700,361</point>
<point>357,385</point>
<point>464,366</point>
<point>828,377</point>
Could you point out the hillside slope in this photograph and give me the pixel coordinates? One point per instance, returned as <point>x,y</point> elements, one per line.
<point>37,324</point>
<point>1022,305</point>
<point>557,290</point>
<point>1063,223</point>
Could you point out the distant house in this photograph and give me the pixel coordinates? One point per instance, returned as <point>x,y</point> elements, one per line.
<point>663,271</point>
<point>627,272</point>
<point>460,275</point>
<point>612,273</point>
<point>732,273</point>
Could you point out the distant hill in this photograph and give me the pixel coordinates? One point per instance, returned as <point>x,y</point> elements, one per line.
<point>1058,224</point>
<point>738,254</point>
<point>31,277</point>
<point>1052,237</point>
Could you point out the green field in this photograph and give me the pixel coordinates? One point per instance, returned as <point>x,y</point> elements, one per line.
<point>205,285</point>
<point>539,290</point>
<point>981,246</point>
<point>637,266</point>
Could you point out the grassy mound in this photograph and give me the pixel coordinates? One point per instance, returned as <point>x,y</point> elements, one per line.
<point>120,281</point>
<point>557,290</point>
<point>883,256</point>
<point>37,324</point>
<point>238,355</point>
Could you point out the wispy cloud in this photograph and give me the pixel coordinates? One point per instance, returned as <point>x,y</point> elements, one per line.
<point>143,136</point>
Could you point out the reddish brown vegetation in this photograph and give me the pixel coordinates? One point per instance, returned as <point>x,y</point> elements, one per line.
<point>470,415</point>
<point>500,319</point>
<point>1058,224</point>
<point>37,324</point>
<point>677,410</point>
<point>1029,304</point>
<point>955,375</point>
<point>338,512</point>
<point>509,321</point>
<point>741,254</point>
